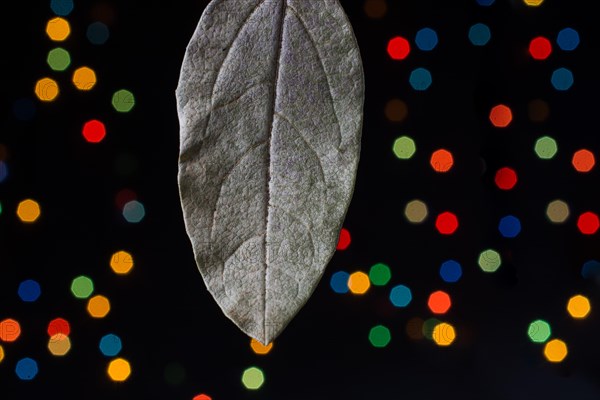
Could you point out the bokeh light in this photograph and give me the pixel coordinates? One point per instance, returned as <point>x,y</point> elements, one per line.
<point>98,306</point>
<point>533,3</point>
<point>134,211</point>
<point>10,330</point>
<point>428,327</point>
<point>344,240</point>
<point>380,274</point>
<point>400,296</point>
<point>202,396</point>
<point>509,226</point>
<point>450,271</point>
<point>1,353</point>
<point>28,210</point>
<point>46,89</point>
<point>446,223</point>
<point>489,260</point>
<point>426,39</point>
<point>555,350</point>
<point>97,33</point>
<point>398,48</point>
<point>545,147</point>
<point>58,29</point>
<point>579,306</point>
<point>26,369</point>
<point>441,160</point>
<point>562,79</point>
<point>82,287</point>
<point>415,211</point>
<point>358,282</point>
<point>375,8</point>
<point>93,131</point>
<point>588,223</point>
<point>119,370</point>
<point>557,211</point>
<point>583,160</point>
<point>61,7</point>
<point>485,3</point>
<point>380,336</point>
<point>84,78</point>
<point>110,345</point>
<point>339,282</point>
<point>3,171</point>
<point>505,178</point>
<point>414,328</point>
<point>443,334</point>
<point>501,116</point>
<point>123,101</point>
<point>253,378</point>
<point>479,34</point>
<point>121,262</point>
<point>259,348</point>
<point>591,269</point>
<point>396,110</point>
<point>59,326</point>
<point>567,39</point>
<point>59,345</point>
<point>29,290</point>
<point>540,48</point>
<point>58,59</point>
<point>404,147</point>
<point>539,331</point>
<point>420,79</point>
<point>439,302</point>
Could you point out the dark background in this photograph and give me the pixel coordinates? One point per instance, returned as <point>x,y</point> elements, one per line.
<point>175,336</point>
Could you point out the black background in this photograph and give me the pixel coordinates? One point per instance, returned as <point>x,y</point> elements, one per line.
<point>175,336</point>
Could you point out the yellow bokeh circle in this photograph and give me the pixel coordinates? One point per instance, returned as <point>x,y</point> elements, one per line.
<point>46,89</point>
<point>28,210</point>
<point>119,369</point>
<point>58,29</point>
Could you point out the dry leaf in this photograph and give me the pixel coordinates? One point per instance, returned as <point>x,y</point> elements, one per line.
<point>270,103</point>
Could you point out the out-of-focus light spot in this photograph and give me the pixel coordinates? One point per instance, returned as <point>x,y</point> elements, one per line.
<point>591,269</point>
<point>121,262</point>
<point>450,271</point>
<point>583,160</point>
<point>578,306</point>
<point>61,7</point>
<point>545,147</point>
<point>359,283</point>
<point>28,210</point>
<point>414,328</point>
<point>3,171</point>
<point>202,397</point>
<point>485,3</point>
<point>400,296</point>
<point>10,330</point>
<point>426,39</point>
<point>396,110</point>
<point>97,33</point>
<point>26,369</point>
<point>59,345</point>
<point>119,369</point>
<point>404,147</point>
<point>98,306</point>
<point>1,353</point>
<point>46,89</point>
<point>588,223</point>
<point>398,48</point>
<point>93,131</point>
<point>446,223</point>
<point>124,196</point>
<point>375,8</point>
<point>479,34</point>
<point>29,290</point>
<point>540,48</point>
<point>380,274</point>
<point>539,331</point>
<point>439,302</point>
<point>533,3</point>
<point>123,100</point>
<point>562,79</point>
<point>420,79</point>
<point>84,78</point>
<point>339,282</point>
<point>259,348</point>
<point>380,336</point>
<point>59,326</point>
<point>110,345</point>
<point>555,350</point>
<point>538,110</point>
<point>344,240</point>
<point>415,211</point>
<point>428,327</point>
<point>82,287</point>
<point>58,59</point>
<point>253,378</point>
<point>557,211</point>
<point>489,260</point>
<point>441,160</point>
<point>506,178</point>
<point>58,29</point>
<point>501,116</point>
<point>509,226</point>
<point>24,109</point>
<point>134,211</point>
<point>443,334</point>
<point>567,39</point>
